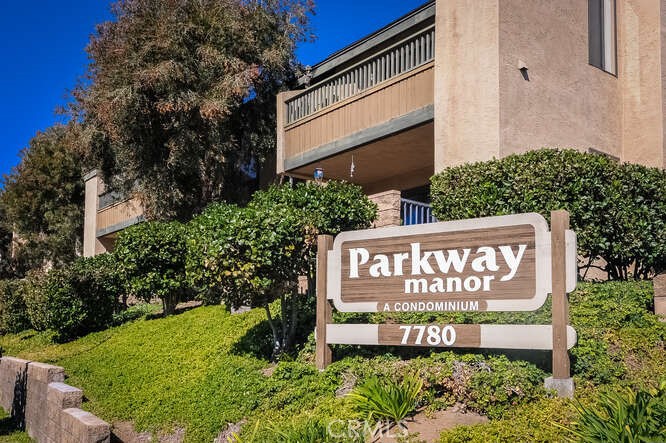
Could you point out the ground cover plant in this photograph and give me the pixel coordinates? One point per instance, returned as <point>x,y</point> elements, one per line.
<point>7,432</point>
<point>199,371</point>
<point>626,416</point>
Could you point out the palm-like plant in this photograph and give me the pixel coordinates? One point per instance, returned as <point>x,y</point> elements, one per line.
<point>385,399</point>
<point>624,417</point>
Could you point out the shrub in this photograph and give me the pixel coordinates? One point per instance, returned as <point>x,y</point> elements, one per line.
<point>628,416</point>
<point>617,210</point>
<point>254,255</point>
<point>151,258</point>
<point>385,399</point>
<point>77,299</point>
<point>13,310</point>
<point>35,300</point>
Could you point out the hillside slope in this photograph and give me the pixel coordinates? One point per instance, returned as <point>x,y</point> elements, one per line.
<point>204,368</point>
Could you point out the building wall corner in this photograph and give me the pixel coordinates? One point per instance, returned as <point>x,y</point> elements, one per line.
<point>466,89</point>
<point>93,184</point>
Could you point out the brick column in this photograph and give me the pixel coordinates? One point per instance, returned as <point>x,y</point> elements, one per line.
<point>388,204</point>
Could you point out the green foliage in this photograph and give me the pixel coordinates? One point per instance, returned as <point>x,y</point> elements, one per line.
<point>151,259</point>
<point>192,371</point>
<point>9,432</point>
<point>615,330</point>
<point>254,255</point>
<point>615,326</point>
<point>36,300</point>
<point>381,399</point>
<point>236,438</point>
<point>43,200</point>
<point>77,299</point>
<point>309,429</point>
<point>140,311</point>
<point>181,97</point>
<point>486,384</point>
<point>617,210</point>
<point>13,311</point>
<point>6,261</point>
<point>628,417</point>
<point>535,422</point>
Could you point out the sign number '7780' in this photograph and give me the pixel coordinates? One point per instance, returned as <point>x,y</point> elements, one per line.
<point>436,335</point>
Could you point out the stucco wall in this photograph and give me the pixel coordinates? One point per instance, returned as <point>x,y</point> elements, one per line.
<point>466,82</point>
<point>485,108</point>
<point>566,102</point>
<point>662,14</point>
<point>640,65</point>
<point>92,184</point>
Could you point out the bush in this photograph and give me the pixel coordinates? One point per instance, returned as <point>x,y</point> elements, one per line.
<point>77,299</point>
<point>628,416</point>
<point>617,210</point>
<point>13,310</point>
<point>151,258</point>
<point>254,255</point>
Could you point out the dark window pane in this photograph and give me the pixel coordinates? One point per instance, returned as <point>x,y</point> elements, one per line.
<point>595,32</point>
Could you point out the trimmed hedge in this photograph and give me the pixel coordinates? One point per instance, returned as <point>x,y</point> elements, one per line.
<point>13,311</point>
<point>151,260</point>
<point>254,255</point>
<point>617,210</point>
<point>77,299</point>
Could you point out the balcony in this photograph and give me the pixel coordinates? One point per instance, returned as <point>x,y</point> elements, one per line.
<point>415,213</point>
<point>375,101</point>
<point>118,215</point>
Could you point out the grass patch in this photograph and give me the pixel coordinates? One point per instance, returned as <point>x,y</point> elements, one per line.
<point>8,433</point>
<point>203,369</point>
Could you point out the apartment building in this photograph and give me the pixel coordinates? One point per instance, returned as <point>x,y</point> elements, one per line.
<point>458,81</point>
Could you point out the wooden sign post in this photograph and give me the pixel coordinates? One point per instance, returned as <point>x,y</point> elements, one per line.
<point>323,355</point>
<point>561,380</point>
<point>506,263</point>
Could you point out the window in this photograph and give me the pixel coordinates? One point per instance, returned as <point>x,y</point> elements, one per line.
<point>602,37</point>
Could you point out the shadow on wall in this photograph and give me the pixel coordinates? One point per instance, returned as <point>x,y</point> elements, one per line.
<point>17,416</point>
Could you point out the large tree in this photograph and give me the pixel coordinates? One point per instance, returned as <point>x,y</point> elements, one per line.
<point>5,246</point>
<point>43,198</point>
<point>179,102</point>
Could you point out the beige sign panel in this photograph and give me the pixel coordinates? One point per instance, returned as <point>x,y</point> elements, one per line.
<point>448,336</point>
<point>488,264</point>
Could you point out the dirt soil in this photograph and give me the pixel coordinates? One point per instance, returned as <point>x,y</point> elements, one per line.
<point>123,432</point>
<point>427,429</point>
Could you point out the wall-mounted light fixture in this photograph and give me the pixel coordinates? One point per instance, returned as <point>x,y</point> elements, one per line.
<point>522,67</point>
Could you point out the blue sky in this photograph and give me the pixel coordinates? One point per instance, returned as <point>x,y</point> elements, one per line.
<point>42,45</point>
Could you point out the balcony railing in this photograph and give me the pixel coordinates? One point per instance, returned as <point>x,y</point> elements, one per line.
<point>404,56</point>
<point>415,213</point>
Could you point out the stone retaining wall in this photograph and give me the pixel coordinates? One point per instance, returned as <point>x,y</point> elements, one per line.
<point>35,396</point>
